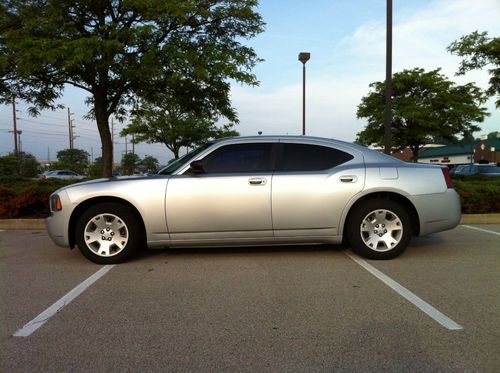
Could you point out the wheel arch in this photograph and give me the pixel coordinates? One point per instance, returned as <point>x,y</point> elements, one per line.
<point>393,196</point>
<point>84,205</point>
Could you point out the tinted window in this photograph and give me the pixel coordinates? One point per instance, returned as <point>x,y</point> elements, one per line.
<point>175,165</point>
<point>489,169</point>
<point>239,158</point>
<point>302,157</point>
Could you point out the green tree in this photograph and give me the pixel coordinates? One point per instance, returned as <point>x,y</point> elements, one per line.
<point>72,159</point>
<point>25,165</point>
<point>129,162</point>
<point>425,105</point>
<point>118,50</point>
<point>168,123</point>
<point>9,165</point>
<point>478,51</point>
<point>28,165</point>
<point>95,169</point>
<point>150,164</point>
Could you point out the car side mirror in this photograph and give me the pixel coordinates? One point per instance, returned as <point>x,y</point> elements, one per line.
<point>196,167</point>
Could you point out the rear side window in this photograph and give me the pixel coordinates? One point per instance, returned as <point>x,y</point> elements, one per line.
<point>304,157</point>
<point>240,158</point>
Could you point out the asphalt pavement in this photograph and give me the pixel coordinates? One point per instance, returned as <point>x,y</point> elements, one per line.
<point>303,308</point>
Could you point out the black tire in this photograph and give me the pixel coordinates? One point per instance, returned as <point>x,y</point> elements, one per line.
<point>379,229</point>
<point>108,233</point>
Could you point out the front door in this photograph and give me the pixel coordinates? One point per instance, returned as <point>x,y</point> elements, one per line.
<point>230,199</point>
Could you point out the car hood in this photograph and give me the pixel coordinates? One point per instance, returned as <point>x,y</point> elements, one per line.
<point>117,179</point>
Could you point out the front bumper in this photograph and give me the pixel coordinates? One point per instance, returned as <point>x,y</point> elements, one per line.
<point>58,222</point>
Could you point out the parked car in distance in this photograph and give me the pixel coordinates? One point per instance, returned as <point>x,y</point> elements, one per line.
<point>478,169</point>
<point>62,174</point>
<point>263,190</point>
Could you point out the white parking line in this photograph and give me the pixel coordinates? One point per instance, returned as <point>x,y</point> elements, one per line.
<point>38,321</point>
<point>408,295</point>
<point>481,229</point>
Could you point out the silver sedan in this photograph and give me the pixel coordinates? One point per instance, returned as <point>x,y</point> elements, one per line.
<point>259,191</point>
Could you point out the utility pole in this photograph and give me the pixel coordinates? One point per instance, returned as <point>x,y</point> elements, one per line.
<point>16,150</point>
<point>70,128</point>
<point>112,145</point>
<point>92,155</point>
<point>388,81</point>
<point>126,151</point>
<point>133,144</point>
<point>19,141</point>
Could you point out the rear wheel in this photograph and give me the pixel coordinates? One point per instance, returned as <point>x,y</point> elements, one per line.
<point>379,229</point>
<point>108,233</point>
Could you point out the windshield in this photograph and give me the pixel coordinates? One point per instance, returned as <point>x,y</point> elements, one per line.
<point>175,165</point>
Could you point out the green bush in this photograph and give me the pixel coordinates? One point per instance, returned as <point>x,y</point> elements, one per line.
<point>27,198</point>
<point>478,194</point>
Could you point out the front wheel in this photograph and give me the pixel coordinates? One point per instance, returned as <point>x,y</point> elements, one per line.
<point>379,229</point>
<point>108,233</point>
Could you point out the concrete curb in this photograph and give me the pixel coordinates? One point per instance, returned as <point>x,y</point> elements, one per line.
<point>37,224</point>
<point>27,224</point>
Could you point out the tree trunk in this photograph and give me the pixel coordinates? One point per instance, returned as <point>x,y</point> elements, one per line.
<point>414,150</point>
<point>176,152</point>
<point>101,117</point>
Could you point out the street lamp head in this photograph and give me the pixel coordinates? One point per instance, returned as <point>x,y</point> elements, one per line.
<point>304,57</point>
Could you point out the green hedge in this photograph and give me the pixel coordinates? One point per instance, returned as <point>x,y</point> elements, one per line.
<point>28,198</point>
<point>478,194</point>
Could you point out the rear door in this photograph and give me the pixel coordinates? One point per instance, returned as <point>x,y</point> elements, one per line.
<point>311,186</point>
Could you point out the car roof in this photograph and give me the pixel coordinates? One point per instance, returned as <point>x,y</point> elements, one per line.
<point>372,155</point>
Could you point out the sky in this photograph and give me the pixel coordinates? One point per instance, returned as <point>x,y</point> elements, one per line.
<point>346,39</point>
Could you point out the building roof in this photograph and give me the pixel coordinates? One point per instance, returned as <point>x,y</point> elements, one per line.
<point>447,150</point>
<point>457,149</point>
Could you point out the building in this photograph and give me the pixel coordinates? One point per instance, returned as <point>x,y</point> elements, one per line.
<point>480,151</point>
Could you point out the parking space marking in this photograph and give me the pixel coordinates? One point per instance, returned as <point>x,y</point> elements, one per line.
<point>408,295</point>
<point>480,229</point>
<point>38,321</point>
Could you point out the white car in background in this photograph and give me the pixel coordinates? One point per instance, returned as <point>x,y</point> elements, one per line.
<point>63,174</point>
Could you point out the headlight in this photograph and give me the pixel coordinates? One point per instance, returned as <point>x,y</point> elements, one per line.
<point>55,203</point>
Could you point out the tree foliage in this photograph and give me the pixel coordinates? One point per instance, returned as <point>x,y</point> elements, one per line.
<point>118,50</point>
<point>129,162</point>
<point>95,169</point>
<point>478,51</point>
<point>167,122</point>
<point>150,164</point>
<point>425,106</point>
<point>25,165</point>
<point>72,159</point>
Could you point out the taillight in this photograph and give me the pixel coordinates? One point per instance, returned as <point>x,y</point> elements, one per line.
<point>447,177</point>
<point>55,203</point>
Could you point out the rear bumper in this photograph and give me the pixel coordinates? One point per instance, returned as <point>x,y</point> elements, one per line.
<point>438,212</point>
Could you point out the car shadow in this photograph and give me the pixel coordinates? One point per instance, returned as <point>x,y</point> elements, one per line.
<point>150,253</point>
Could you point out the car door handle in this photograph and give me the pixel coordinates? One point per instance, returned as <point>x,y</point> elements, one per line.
<point>257,181</point>
<point>348,178</point>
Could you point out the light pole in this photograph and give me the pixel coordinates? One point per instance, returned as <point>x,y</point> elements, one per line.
<point>388,81</point>
<point>304,57</point>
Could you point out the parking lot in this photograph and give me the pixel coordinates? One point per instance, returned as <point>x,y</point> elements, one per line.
<point>305,308</point>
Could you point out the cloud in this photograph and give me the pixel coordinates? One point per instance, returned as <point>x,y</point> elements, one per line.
<point>419,40</point>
